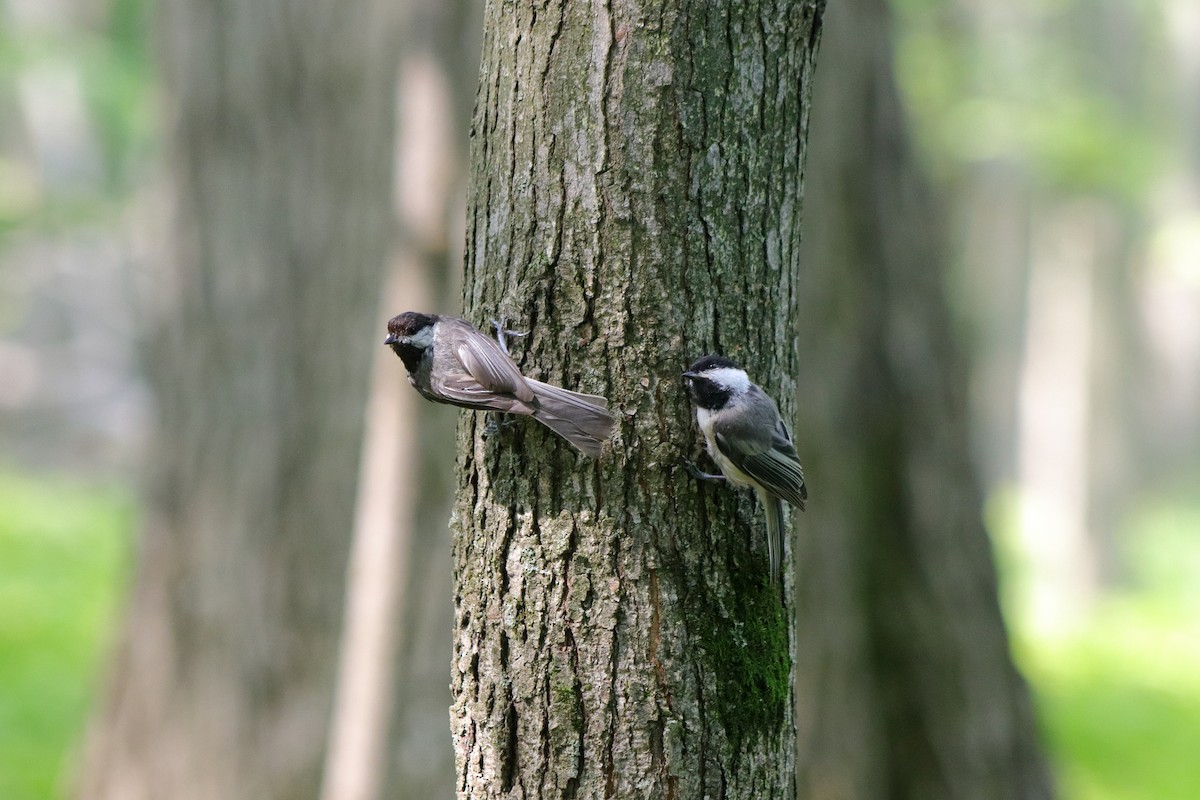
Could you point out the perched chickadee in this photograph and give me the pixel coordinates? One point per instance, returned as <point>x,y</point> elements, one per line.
<point>747,438</point>
<point>449,361</point>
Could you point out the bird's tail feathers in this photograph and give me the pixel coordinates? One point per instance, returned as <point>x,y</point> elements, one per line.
<point>581,419</point>
<point>775,535</point>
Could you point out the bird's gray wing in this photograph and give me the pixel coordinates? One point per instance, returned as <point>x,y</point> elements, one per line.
<point>768,456</point>
<point>485,376</point>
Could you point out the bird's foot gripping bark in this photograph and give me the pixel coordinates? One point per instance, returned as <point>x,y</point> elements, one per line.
<point>696,472</point>
<point>497,422</point>
<point>502,333</point>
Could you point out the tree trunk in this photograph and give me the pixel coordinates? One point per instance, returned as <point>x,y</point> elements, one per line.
<point>280,138</point>
<point>634,203</point>
<point>908,688</point>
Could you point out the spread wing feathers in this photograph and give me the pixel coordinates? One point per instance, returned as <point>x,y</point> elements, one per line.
<point>492,369</point>
<point>771,460</point>
<point>478,374</point>
<point>483,376</point>
<point>581,419</point>
<point>462,389</point>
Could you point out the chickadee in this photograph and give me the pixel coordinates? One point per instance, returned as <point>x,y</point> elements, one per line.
<point>449,361</point>
<point>747,439</point>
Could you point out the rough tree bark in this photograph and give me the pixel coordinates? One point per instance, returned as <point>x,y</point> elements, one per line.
<point>634,203</point>
<point>280,139</point>
<point>907,686</point>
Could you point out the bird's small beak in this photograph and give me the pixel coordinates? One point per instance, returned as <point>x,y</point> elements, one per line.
<point>392,339</point>
<point>687,376</point>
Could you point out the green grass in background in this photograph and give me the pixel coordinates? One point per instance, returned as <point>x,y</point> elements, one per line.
<point>1119,698</point>
<point>1120,704</point>
<point>64,555</point>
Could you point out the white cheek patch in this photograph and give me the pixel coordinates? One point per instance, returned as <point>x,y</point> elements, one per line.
<point>734,379</point>
<point>422,338</point>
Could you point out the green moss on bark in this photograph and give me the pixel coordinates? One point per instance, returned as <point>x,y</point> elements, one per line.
<point>742,639</point>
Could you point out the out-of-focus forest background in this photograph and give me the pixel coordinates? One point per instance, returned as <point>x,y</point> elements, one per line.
<point>1063,138</point>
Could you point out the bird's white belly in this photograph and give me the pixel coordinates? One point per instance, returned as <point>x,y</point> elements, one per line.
<point>705,418</point>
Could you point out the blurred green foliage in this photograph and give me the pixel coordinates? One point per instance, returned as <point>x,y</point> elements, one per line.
<point>64,558</point>
<point>119,94</point>
<point>1066,91</point>
<point>1119,697</point>
<point>1120,704</point>
<point>107,52</point>
<point>1071,99</point>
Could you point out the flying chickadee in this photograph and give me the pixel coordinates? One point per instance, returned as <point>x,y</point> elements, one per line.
<point>747,439</point>
<point>449,361</point>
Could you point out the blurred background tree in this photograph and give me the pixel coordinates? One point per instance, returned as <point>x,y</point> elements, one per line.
<point>1061,137</point>
<point>256,329</point>
<point>907,686</point>
<point>390,737</point>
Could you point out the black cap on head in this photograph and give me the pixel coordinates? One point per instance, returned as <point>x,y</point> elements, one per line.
<point>409,322</point>
<point>712,362</point>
